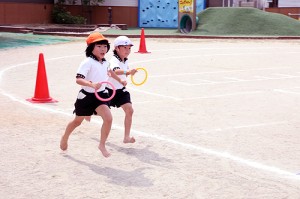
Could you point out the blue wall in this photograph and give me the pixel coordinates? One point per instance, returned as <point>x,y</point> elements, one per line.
<point>162,13</point>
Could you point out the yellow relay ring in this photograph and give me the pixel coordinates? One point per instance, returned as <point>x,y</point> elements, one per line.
<point>145,79</point>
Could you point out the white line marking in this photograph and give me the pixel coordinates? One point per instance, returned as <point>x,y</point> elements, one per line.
<point>234,79</point>
<point>240,80</point>
<point>232,48</point>
<point>205,55</point>
<point>205,81</point>
<point>216,72</point>
<point>285,91</point>
<point>284,75</point>
<point>204,150</point>
<point>256,125</point>
<point>225,155</point>
<point>216,96</point>
<point>261,77</point>
<point>188,84</point>
<point>224,95</point>
<point>197,98</point>
<point>245,126</point>
<point>191,98</point>
<point>154,94</point>
<point>218,154</point>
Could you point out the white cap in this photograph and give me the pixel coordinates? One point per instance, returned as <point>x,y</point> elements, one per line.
<point>122,41</point>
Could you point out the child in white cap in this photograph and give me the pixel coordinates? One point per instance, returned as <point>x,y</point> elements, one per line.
<point>92,70</point>
<point>119,64</point>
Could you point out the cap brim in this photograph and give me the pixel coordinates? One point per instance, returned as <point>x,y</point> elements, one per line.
<point>123,45</point>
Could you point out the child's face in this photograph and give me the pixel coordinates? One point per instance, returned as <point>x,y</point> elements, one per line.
<point>100,50</point>
<point>123,51</point>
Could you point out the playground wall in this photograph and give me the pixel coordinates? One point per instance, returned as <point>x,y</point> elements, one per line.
<point>162,13</point>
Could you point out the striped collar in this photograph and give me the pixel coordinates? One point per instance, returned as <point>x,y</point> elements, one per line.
<point>119,58</point>
<point>95,58</point>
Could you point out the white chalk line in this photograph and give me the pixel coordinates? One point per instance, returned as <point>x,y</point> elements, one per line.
<point>219,154</point>
<point>154,94</point>
<point>207,55</point>
<point>207,82</point>
<point>230,48</point>
<point>286,91</point>
<point>205,97</point>
<point>219,71</point>
<point>189,98</point>
<point>194,98</point>
<point>204,150</point>
<point>224,95</point>
<point>234,80</point>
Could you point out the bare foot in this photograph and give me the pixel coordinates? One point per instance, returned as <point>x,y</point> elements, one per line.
<point>104,152</point>
<point>64,143</point>
<point>129,140</point>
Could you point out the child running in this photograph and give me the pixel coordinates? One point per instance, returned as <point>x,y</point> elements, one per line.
<point>119,64</point>
<point>92,70</point>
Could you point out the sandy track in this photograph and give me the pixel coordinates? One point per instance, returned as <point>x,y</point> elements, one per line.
<point>216,119</point>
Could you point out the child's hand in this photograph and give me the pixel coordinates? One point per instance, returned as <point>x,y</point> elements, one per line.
<point>132,71</point>
<point>97,86</point>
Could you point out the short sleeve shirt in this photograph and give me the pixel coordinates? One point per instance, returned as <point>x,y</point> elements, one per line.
<point>115,64</point>
<point>94,71</point>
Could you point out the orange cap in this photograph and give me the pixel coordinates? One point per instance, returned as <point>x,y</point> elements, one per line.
<point>94,37</point>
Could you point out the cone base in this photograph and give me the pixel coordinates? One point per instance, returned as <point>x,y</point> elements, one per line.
<point>44,100</point>
<point>142,52</point>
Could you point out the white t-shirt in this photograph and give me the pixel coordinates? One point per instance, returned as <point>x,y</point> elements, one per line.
<point>93,71</point>
<point>115,63</point>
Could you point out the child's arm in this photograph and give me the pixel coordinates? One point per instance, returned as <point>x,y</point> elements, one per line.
<point>116,77</point>
<point>129,72</point>
<point>84,82</point>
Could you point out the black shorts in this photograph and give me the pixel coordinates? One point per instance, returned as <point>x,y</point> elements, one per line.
<point>122,97</point>
<point>87,103</point>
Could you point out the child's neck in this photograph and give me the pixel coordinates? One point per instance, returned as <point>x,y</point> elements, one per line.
<point>123,59</point>
<point>97,58</point>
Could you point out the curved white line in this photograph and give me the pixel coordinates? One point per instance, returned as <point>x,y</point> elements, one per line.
<point>204,150</point>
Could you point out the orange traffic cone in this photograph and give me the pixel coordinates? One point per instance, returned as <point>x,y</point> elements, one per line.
<point>142,48</point>
<point>41,94</point>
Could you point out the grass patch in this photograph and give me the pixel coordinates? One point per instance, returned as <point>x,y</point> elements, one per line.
<point>245,22</point>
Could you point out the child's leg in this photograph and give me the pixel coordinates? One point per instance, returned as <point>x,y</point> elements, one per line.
<point>105,113</point>
<point>69,129</point>
<point>127,122</point>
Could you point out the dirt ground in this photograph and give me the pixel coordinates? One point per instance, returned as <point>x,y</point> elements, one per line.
<point>216,119</point>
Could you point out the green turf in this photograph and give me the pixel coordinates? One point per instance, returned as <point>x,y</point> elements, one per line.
<point>245,22</point>
<point>14,40</point>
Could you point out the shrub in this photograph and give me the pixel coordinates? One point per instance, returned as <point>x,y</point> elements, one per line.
<point>61,16</point>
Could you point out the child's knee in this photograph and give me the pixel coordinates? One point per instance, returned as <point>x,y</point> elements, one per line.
<point>129,111</point>
<point>77,122</point>
<point>108,119</point>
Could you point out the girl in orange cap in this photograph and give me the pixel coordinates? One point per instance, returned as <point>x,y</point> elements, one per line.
<point>92,70</point>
